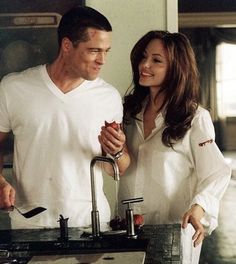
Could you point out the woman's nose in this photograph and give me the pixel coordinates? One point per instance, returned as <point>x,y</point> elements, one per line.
<point>145,63</point>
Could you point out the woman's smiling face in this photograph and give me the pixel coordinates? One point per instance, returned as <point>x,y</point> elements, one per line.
<point>154,65</point>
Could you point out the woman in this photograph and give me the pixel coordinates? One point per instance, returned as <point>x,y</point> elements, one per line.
<point>176,165</point>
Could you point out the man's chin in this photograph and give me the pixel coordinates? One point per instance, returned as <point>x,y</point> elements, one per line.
<point>92,78</point>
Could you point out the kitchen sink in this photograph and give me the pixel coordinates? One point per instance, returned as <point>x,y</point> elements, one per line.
<point>24,244</point>
<point>99,258</point>
<point>156,243</point>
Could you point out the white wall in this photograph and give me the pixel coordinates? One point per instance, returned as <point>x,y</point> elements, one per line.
<point>130,20</point>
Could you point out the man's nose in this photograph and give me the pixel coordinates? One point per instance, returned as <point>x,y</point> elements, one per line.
<point>101,58</point>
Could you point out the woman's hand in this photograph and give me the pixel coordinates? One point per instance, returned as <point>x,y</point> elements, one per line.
<point>112,140</point>
<point>193,216</point>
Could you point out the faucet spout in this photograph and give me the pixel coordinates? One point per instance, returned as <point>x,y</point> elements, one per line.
<point>95,213</point>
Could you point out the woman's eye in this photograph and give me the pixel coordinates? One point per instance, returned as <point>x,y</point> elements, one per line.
<point>143,56</point>
<point>156,60</point>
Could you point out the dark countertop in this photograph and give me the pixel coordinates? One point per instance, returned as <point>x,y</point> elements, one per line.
<point>164,244</point>
<point>160,242</point>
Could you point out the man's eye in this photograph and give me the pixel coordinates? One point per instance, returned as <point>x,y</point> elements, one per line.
<point>94,51</point>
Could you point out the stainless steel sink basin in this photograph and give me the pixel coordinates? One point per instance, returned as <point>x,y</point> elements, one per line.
<point>101,258</point>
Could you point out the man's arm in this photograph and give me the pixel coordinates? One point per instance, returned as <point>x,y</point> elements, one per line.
<point>7,192</point>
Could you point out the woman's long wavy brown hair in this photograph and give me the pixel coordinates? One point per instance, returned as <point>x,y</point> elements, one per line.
<point>180,88</point>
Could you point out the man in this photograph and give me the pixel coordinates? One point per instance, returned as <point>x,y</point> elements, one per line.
<point>55,112</point>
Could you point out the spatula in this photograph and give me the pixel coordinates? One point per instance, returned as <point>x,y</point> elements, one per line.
<point>30,213</point>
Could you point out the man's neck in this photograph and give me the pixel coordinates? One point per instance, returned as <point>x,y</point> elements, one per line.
<point>61,78</point>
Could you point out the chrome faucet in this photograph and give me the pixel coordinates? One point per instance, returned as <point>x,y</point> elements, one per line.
<point>95,213</point>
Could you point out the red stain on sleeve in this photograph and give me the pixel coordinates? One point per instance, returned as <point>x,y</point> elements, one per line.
<point>205,142</point>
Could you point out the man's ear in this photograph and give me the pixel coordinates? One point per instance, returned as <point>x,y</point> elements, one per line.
<point>66,44</point>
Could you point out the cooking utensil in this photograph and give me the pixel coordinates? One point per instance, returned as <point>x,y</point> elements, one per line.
<point>30,213</point>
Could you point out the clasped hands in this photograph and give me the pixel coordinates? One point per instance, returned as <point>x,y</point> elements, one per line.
<point>112,140</point>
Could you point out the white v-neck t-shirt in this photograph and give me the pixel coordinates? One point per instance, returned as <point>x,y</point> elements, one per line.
<point>55,138</point>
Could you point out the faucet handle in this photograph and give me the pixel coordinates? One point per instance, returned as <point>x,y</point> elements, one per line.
<point>132,200</point>
<point>130,216</point>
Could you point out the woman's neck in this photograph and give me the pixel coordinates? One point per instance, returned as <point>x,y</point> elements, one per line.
<point>156,99</point>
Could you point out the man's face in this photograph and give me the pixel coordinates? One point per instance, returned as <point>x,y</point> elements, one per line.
<point>86,59</point>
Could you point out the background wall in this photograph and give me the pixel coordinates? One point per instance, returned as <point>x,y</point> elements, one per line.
<point>130,20</point>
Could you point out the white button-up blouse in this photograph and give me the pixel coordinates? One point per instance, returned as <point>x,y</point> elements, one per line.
<point>172,180</point>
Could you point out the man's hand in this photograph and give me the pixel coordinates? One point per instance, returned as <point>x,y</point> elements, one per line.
<point>193,216</point>
<point>7,194</point>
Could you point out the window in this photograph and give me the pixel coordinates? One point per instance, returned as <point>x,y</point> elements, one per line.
<point>226,79</point>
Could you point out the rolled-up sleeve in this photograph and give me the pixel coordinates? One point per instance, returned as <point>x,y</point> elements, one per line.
<point>213,173</point>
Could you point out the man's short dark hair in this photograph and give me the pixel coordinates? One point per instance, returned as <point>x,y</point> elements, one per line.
<point>75,22</point>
